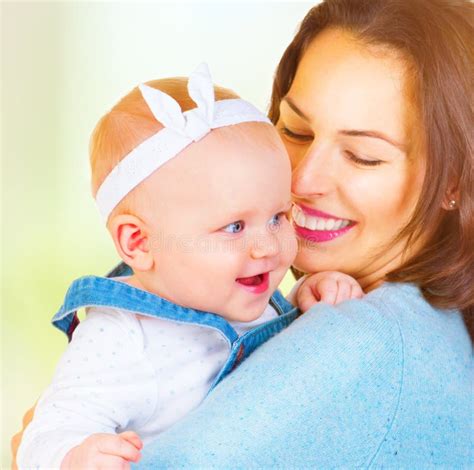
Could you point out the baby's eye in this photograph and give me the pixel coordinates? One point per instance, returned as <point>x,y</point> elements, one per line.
<point>234,227</point>
<point>276,220</point>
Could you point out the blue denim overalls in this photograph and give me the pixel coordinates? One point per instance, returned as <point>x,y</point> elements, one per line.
<point>91,291</point>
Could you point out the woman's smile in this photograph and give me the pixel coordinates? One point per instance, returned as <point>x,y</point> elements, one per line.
<point>318,226</point>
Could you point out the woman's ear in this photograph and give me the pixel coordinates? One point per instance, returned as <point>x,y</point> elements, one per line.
<point>132,241</point>
<point>451,200</point>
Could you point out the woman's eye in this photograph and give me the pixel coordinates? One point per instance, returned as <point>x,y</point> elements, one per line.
<point>234,227</point>
<point>295,136</point>
<point>362,161</point>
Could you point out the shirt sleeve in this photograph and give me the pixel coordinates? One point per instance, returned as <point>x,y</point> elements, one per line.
<point>321,394</point>
<point>103,384</point>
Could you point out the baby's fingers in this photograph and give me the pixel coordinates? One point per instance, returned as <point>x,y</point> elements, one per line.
<point>305,297</point>
<point>328,290</point>
<point>118,446</point>
<point>343,291</point>
<point>133,438</point>
<point>356,291</point>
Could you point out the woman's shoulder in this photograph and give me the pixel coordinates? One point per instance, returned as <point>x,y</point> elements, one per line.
<point>393,321</point>
<point>404,306</point>
<point>395,305</point>
<point>400,298</point>
<point>361,333</point>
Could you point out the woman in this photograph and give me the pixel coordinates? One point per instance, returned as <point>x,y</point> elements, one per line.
<point>371,101</point>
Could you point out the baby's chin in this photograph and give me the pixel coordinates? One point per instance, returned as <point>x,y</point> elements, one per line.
<point>247,313</point>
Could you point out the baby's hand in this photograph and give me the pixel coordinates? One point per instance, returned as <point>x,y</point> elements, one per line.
<point>100,451</point>
<point>328,286</point>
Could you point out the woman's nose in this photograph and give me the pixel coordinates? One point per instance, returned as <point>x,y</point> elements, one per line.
<point>265,245</point>
<point>313,173</point>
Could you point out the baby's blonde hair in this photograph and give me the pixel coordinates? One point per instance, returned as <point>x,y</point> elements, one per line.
<point>129,123</point>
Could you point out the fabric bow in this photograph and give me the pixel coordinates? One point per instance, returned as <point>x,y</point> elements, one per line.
<point>195,123</point>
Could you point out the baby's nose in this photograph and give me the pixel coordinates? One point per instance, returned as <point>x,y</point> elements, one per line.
<point>265,245</point>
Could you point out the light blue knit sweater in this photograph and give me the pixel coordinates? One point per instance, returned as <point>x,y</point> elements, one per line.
<point>381,382</point>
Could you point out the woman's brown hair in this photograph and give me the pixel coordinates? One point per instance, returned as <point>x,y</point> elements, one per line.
<point>437,37</point>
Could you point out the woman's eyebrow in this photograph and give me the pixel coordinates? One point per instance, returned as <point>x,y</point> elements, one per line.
<point>374,135</point>
<point>295,108</point>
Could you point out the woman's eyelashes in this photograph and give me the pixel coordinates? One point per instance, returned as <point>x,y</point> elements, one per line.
<point>303,138</point>
<point>362,161</point>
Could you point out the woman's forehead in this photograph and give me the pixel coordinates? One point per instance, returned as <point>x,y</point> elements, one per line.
<point>340,83</point>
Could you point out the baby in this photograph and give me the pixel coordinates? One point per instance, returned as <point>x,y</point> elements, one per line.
<point>197,205</point>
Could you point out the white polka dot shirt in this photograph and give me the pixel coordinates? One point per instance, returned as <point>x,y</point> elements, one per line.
<point>120,372</point>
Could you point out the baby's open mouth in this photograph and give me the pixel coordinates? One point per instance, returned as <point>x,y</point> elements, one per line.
<point>256,284</point>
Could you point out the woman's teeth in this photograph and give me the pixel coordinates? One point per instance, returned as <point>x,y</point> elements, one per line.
<point>312,222</point>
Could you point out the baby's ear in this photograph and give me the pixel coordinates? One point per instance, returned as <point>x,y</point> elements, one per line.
<point>132,241</point>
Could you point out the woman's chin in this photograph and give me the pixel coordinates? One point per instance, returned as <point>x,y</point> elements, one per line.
<point>313,260</point>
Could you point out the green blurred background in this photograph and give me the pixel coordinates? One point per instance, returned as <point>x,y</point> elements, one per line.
<point>63,65</point>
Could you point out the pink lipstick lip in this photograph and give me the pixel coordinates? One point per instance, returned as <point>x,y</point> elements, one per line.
<point>257,288</point>
<point>318,213</point>
<point>319,236</point>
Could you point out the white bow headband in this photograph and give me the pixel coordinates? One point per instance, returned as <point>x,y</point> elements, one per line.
<point>180,130</point>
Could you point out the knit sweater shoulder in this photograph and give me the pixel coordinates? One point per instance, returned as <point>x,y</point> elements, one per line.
<point>384,381</point>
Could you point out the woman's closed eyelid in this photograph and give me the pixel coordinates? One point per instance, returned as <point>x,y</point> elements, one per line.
<point>296,134</point>
<point>363,161</point>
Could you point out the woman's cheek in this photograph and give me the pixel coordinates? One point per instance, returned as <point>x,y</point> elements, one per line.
<point>384,201</point>
<point>372,189</point>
